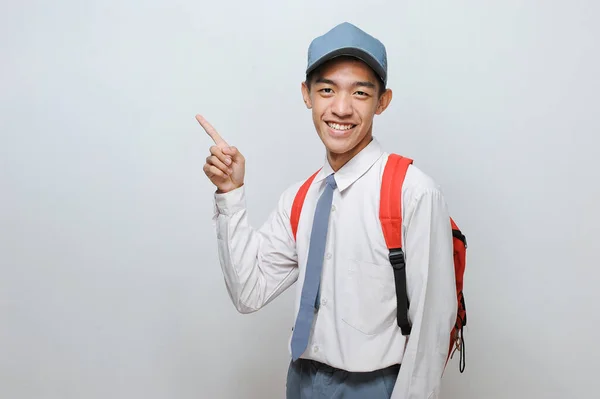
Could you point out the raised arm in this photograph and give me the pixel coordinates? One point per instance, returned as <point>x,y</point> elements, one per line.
<point>257,264</point>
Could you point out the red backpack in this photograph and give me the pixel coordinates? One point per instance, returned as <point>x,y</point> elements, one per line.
<point>390,216</point>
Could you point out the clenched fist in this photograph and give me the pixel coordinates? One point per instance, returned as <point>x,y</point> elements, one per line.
<point>225,167</point>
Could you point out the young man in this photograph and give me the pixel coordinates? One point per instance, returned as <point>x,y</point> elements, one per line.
<point>345,342</point>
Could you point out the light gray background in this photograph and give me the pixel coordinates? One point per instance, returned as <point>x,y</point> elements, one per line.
<point>109,281</point>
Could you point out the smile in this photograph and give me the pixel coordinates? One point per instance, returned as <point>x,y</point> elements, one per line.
<point>340,127</point>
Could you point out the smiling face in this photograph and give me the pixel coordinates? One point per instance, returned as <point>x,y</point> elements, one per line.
<point>344,96</point>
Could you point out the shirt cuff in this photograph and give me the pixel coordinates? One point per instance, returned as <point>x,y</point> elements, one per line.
<point>230,202</point>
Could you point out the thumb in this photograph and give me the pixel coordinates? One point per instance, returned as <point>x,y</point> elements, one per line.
<point>232,152</point>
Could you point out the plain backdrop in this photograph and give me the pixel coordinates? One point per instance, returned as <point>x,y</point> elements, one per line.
<point>110,285</point>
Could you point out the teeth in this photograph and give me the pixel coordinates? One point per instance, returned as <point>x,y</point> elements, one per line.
<point>337,126</point>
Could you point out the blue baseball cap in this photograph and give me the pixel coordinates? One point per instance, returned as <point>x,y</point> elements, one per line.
<point>346,39</point>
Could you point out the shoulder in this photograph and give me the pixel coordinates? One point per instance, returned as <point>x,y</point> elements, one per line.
<point>419,185</point>
<point>423,198</point>
<point>419,182</point>
<point>289,194</point>
<point>287,197</point>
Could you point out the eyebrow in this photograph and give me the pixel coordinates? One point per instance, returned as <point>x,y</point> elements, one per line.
<point>370,85</point>
<point>325,81</point>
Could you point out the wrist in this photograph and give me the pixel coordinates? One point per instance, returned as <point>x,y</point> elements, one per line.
<point>230,200</point>
<point>228,189</point>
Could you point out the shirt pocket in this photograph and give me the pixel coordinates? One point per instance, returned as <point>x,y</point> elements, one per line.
<point>369,297</point>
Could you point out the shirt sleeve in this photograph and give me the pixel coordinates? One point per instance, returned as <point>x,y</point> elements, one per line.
<point>431,290</point>
<point>257,264</point>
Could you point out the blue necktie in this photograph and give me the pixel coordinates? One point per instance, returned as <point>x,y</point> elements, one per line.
<point>314,265</point>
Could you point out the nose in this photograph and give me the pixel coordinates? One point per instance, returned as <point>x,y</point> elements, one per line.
<point>342,105</point>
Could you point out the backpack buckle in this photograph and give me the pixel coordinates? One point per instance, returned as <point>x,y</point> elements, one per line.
<point>397,258</point>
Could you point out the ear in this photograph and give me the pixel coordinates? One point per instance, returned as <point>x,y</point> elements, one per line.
<point>384,101</point>
<point>306,95</point>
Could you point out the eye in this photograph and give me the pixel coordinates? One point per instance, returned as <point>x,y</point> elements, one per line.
<point>326,90</point>
<point>362,93</point>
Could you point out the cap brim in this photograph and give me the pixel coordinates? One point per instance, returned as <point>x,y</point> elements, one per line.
<point>350,52</point>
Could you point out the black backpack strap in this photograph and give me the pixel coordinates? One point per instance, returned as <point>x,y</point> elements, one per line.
<point>399,265</point>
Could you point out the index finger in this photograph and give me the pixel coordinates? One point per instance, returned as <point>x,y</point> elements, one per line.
<point>211,131</point>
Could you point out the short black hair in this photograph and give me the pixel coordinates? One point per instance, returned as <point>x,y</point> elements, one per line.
<point>310,76</point>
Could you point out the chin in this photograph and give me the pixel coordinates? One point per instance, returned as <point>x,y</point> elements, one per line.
<point>339,145</point>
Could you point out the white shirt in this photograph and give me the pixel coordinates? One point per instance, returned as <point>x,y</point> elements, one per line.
<point>355,328</point>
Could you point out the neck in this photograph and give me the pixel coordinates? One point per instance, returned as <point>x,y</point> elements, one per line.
<point>338,160</point>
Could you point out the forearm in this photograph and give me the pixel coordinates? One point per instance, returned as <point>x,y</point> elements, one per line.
<point>257,264</point>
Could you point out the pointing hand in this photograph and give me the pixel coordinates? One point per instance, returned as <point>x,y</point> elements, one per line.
<point>225,167</point>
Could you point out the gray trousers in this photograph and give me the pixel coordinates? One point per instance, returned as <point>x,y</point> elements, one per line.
<point>308,379</point>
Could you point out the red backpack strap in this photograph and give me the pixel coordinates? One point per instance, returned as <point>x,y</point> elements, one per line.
<point>299,202</point>
<point>460,253</point>
<point>390,215</point>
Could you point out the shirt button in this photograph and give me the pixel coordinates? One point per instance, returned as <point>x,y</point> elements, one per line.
<point>316,348</point>
<point>324,301</point>
<point>328,256</point>
<point>332,208</point>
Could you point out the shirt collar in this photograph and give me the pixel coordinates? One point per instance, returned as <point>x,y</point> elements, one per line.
<point>354,168</point>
